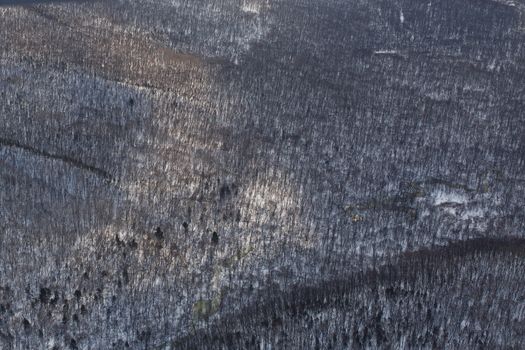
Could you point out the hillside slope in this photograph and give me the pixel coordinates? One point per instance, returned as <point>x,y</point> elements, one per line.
<point>176,173</point>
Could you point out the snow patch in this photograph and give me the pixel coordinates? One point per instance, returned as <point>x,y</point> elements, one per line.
<point>451,211</point>
<point>473,213</point>
<point>386,52</point>
<point>250,7</point>
<point>441,197</point>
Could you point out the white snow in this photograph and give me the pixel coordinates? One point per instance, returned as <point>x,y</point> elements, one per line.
<point>473,213</point>
<point>441,197</point>
<point>250,7</point>
<point>386,52</point>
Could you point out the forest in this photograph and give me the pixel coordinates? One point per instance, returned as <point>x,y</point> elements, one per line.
<point>271,174</point>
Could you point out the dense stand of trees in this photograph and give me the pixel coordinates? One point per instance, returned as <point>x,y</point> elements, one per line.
<point>166,166</point>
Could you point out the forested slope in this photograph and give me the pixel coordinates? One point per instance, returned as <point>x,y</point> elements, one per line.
<point>250,173</point>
